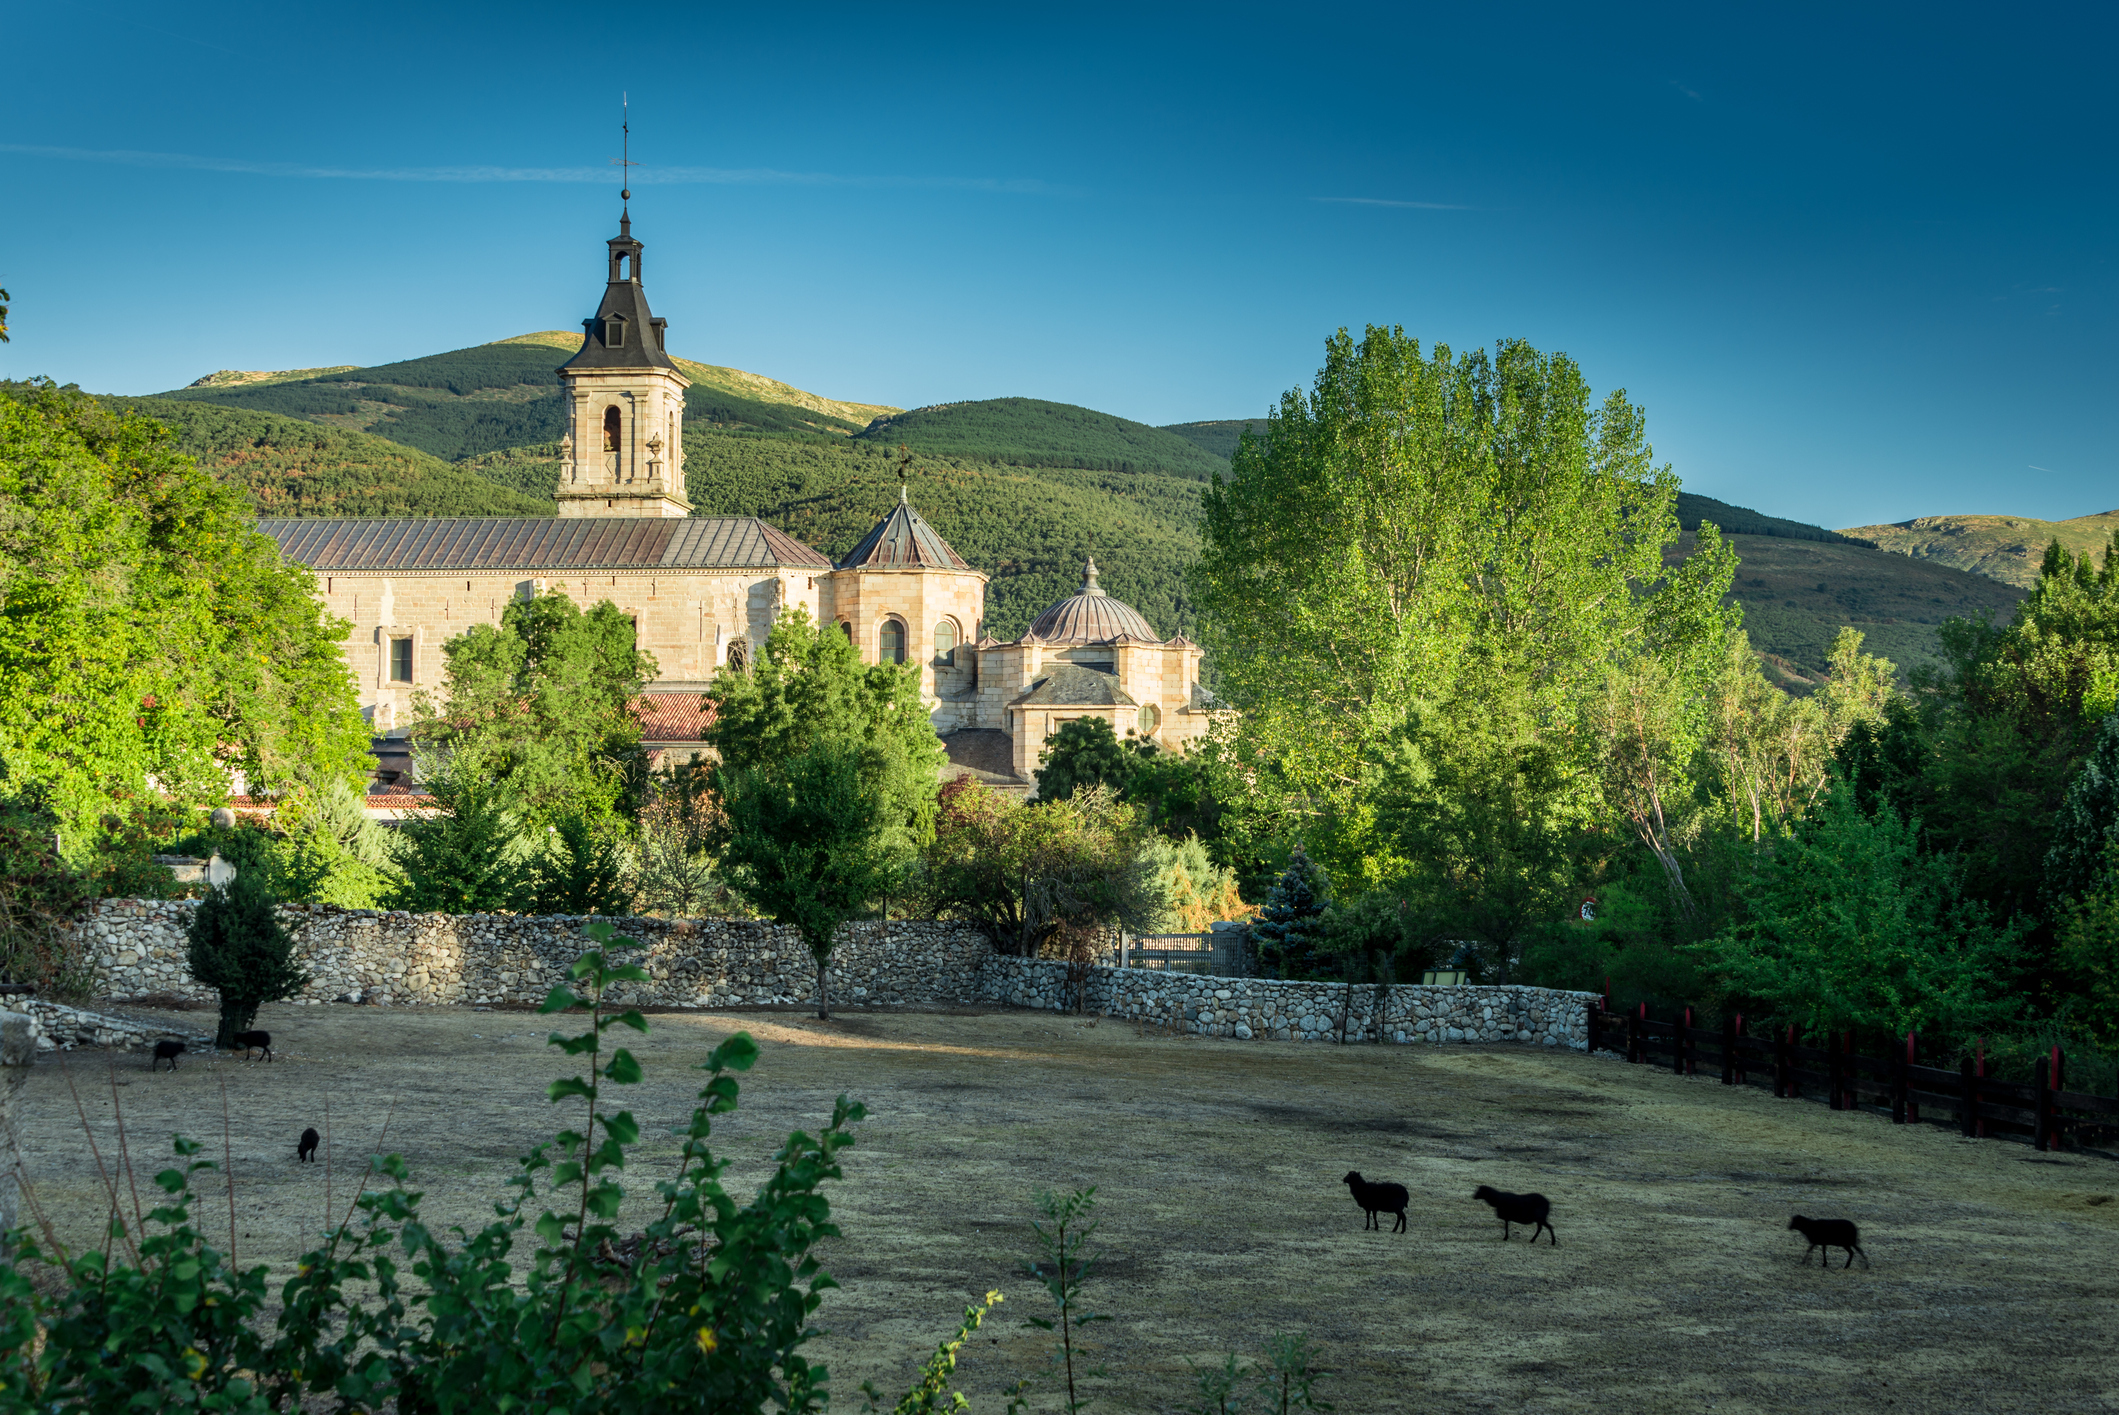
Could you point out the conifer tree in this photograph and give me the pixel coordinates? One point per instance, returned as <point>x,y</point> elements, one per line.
<point>580,871</point>
<point>2087,825</point>
<point>239,947</point>
<point>467,859</point>
<point>1290,930</point>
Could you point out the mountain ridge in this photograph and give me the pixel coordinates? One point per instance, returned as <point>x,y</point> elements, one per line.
<point>2005,548</point>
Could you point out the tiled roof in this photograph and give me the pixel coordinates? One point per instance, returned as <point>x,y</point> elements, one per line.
<point>538,543</point>
<point>674,717</point>
<point>903,541</point>
<point>1071,685</point>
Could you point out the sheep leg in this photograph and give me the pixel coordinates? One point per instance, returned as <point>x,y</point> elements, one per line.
<point>1504,1232</point>
<point>1864,1257</point>
<point>1554,1233</point>
<point>1400,1228</point>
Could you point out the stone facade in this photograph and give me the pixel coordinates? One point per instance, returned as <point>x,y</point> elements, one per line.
<point>369,956</point>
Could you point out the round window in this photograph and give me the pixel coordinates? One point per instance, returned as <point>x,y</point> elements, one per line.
<point>1151,718</point>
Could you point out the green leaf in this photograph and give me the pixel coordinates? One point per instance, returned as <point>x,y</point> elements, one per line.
<point>571,1086</point>
<point>622,1127</point>
<point>623,1068</point>
<point>559,999</point>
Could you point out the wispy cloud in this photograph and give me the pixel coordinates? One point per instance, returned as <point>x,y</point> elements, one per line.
<point>1384,201</point>
<point>1692,94</point>
<point>641,176</point>
<point>2047,470</point>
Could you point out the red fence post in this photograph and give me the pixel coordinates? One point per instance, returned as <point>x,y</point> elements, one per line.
<point>1637,1034</point>
<point>1835,1072</point>
<point>2041,1106</point>
<point>1898,1090</point>
<point>1593,1028</point>
<point>1784,1063</point>
<point>1912,1060</point>
<point>1678,1057</point>
<point>1739,1035</point>
<point>1980,1072</point>
<point>1968,1098</point>
<point>1728,1048</point>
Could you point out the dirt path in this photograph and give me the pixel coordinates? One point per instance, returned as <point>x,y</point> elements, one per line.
<point>1675,1285</point>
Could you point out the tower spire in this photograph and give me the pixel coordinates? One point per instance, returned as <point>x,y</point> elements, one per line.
<point>624,163</point>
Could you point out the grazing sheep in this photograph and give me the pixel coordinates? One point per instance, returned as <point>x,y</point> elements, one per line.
<point>1519,1208</point>
<point>307,1149</point>
<point>1829,1233</point>
<point>250,1041</point>
<point>1377,1199</point>
<point>167,1051</point>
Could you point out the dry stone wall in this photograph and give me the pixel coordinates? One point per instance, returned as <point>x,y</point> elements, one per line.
<point>1267,1009</point>
<point>377,956</point>
<point>372,956</point>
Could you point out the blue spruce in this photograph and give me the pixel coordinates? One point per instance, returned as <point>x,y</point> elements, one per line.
<point>1291,927</point>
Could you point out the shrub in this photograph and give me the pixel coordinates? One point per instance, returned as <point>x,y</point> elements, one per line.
<point>709,1310</point>
<point>468,859</point>
<point>239,947</point>
<point>580,870</point>
<point>1290,929</point>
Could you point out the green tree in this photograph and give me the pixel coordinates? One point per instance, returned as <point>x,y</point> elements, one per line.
<point>1852,924</point>
<point>1290,931</point>
<point>151,642</point>
<point>1414,514</point>
<point>544,701</point>
<point>806,842</point>
<point>467,858</point>
<point>239,947</point>
<point>810,688</point>
<point>2088,823</point>
<point>580,870</point>
<point>1084,752</point>
<point>1491,820</point>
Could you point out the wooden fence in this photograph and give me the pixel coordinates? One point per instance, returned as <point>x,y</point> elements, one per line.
<point>1983,1105</point>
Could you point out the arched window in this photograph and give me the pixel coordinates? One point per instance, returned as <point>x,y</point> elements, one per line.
<point>1150,718</point>
<point>846,628</point>
<point>945,642</point>
<point>610,428</point>
<point>892,641</point>
<point>739,654</point>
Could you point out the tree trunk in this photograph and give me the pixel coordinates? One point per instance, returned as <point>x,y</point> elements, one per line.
<point>235,1017</point>
<point>823,992</point>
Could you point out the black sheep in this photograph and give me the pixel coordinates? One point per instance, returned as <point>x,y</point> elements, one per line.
<point>167,1051</point>
<point>1829,1233</point>
<point>250,1041</point>
<point>307,1149</point>
<point>1519,1208</point>
<point>1378,1199</point>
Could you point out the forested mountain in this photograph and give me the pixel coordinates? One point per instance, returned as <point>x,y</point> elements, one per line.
<point>1025,489</point>
<point>1029,432</point>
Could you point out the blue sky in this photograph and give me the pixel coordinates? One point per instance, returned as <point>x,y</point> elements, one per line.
<point>1855,261</point>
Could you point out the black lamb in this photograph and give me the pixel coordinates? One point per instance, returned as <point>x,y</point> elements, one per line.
<point>1378,1199</point>
<point>251,1041</point>
<point>1519,1208</point>
<point>307,1149</point>
<point>1829,1233</point>
<point>167,1051</point>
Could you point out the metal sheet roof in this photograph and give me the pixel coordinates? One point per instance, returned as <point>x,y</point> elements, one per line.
<point>903,540</point>
<point>538,543</point>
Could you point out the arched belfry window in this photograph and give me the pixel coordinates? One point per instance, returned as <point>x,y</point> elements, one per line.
<point>610,428</point>
<point>945,643</point>
<point>892,641</point>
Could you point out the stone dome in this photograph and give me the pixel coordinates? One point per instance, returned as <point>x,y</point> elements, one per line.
<point>1091,617</point>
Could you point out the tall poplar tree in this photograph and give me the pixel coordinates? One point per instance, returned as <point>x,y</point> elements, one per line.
<point>1419,525</point>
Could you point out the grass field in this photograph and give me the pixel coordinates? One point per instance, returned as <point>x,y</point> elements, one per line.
<point>1675,1285</point>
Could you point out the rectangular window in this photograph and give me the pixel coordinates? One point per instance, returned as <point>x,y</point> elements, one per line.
<point>400,660</point>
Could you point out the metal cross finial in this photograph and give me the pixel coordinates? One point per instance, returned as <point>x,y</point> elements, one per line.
<point>625,140</point>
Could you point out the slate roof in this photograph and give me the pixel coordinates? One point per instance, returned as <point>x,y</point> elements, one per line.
<point>624,306</point>
<point>1071,685</point>
<point>903,541</point>
<point>539,543</point>
<point>1090,617</point>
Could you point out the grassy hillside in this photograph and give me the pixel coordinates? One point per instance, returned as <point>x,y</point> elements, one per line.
<point>476,401</point>
<point>2005,548</point>
<point>232,377</point>
<point>735,382</point>
<point>1798,593</point>
<point>1029,432</point>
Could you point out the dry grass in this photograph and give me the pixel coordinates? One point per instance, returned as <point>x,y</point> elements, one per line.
<point>1675,1285</point>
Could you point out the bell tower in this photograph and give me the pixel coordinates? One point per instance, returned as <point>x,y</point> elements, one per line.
<point>623,451</point>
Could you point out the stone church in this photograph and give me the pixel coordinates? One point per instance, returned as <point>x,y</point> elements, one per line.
<point>703,591</point>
